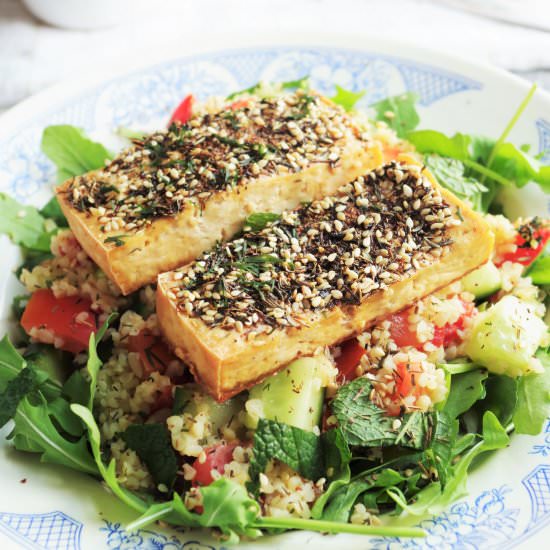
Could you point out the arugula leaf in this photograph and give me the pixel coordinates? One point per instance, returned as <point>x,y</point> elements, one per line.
<point>341,503</point>
<point>346,98</point>
<point>153,445</point>
<point>11,362</point>
<point>299,449</point>
<point>298,84</point>
<point>364,424</point>
<point>23,225</point>
<point>441,448</point>
<point>337,457</point>
<point>450,174</point>
<point>539,270</point>
<point>533,405</point>
<point>398,112</point>
<point>259,220</point>
<point>53,211</point>
<point>434,142</point>
<point>500,399</point>
<point>466,389</point>
<point>35,432</point>
<point>17,388</point>
<point>72,152</point>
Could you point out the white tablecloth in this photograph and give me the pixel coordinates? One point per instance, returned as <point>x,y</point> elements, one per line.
<point>34,55</point>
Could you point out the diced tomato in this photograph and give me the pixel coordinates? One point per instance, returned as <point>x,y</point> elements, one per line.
<point>239,104</point>
<point>525,252</point>
<point>69,318</point>
<point>153,352</point>
<point>216,458</point>
<point>351,353</point>
<point>165,400</point>
<point>183,111</point>
<point>448,334</point>
<point>403,380</point>
<point>400,330</point>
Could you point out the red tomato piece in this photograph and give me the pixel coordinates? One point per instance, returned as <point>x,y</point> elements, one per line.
<point>448,334</point>
<point>153,352</point>
<point>239,104</point>
<point>403,381</point>
<point>165,400</point>
<point>400,330</point>
<point>351,353</point>
<point>69,318</point>
<point>525,253</point>
<point>183,111</point>
<point>216,458</point>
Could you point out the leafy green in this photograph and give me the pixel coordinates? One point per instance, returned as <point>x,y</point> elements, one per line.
<point>23,225</point>
<point>35,432</point>
<point>466,389</point>
<point>298,84</point>
<point>346,98</point>
<point>299,449</point>
<point>53,211</point>
<point>72,152</point>
<point>434,142</point>
<point>539,270</point>
<point>16,389</point>
<point>364,424</point>
<point>11,362</point>
<point>450,173</point>
<point>153,445</point>
<point>399,113</point>
<point>260,220</point>
<point>533,404</point>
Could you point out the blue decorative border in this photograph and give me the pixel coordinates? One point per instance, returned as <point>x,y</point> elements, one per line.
<point>51,531</point>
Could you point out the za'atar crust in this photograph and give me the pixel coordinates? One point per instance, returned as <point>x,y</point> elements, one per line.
<point>173,195</point>
<point>321,274</point>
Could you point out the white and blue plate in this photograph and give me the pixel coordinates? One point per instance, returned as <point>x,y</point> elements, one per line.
<point>48,507</point>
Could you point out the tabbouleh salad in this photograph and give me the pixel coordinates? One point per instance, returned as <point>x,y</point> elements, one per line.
<point>385,423</point>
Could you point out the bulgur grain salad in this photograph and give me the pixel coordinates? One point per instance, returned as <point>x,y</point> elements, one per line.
<point>382,418</point>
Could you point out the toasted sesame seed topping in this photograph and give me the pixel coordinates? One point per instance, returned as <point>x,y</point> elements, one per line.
<point>183,166</point>
<point>316,264</point>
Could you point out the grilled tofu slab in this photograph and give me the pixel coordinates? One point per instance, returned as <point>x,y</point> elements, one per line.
<point>317,276</point>
<point>175,194</point>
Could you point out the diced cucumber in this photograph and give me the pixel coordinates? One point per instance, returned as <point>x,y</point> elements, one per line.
<point>193,400</point>
<point>483,282</point>
<point>293,396</point>
<point>506,336</point>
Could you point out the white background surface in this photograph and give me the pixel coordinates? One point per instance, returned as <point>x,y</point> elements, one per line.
<point>34,55</point>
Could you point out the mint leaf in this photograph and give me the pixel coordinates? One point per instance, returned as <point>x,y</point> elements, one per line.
<point>398,112</point>
<point>153,445</point>
<point>346,98</point>
<point>364,424</point>
<point>16,389</point>
<point>533,404</point>
<point>297,448</point>
<point>23,225</point>
<point>72,152</point>
<point>260,220</point>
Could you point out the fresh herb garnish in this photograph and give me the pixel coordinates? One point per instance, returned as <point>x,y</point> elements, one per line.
<point>118,240</point>
<point>346,98</point>
<point>398,112</point>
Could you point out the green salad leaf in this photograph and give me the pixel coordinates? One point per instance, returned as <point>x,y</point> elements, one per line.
<point>53,211</point>
<point>299,449</point>
<point>539,270</point>
<point>24,225</point>
<point>346,98</point>
<point>364,424</point>
<point>298,84</point>
<point>72,152</point>
<point>533,399</point>
<point>16,389</point>
<point>153,445</point>
<point>398,112</point>
<point>466,389</point>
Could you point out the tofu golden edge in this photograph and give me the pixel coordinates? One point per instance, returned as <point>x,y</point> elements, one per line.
<point>221,359</point>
